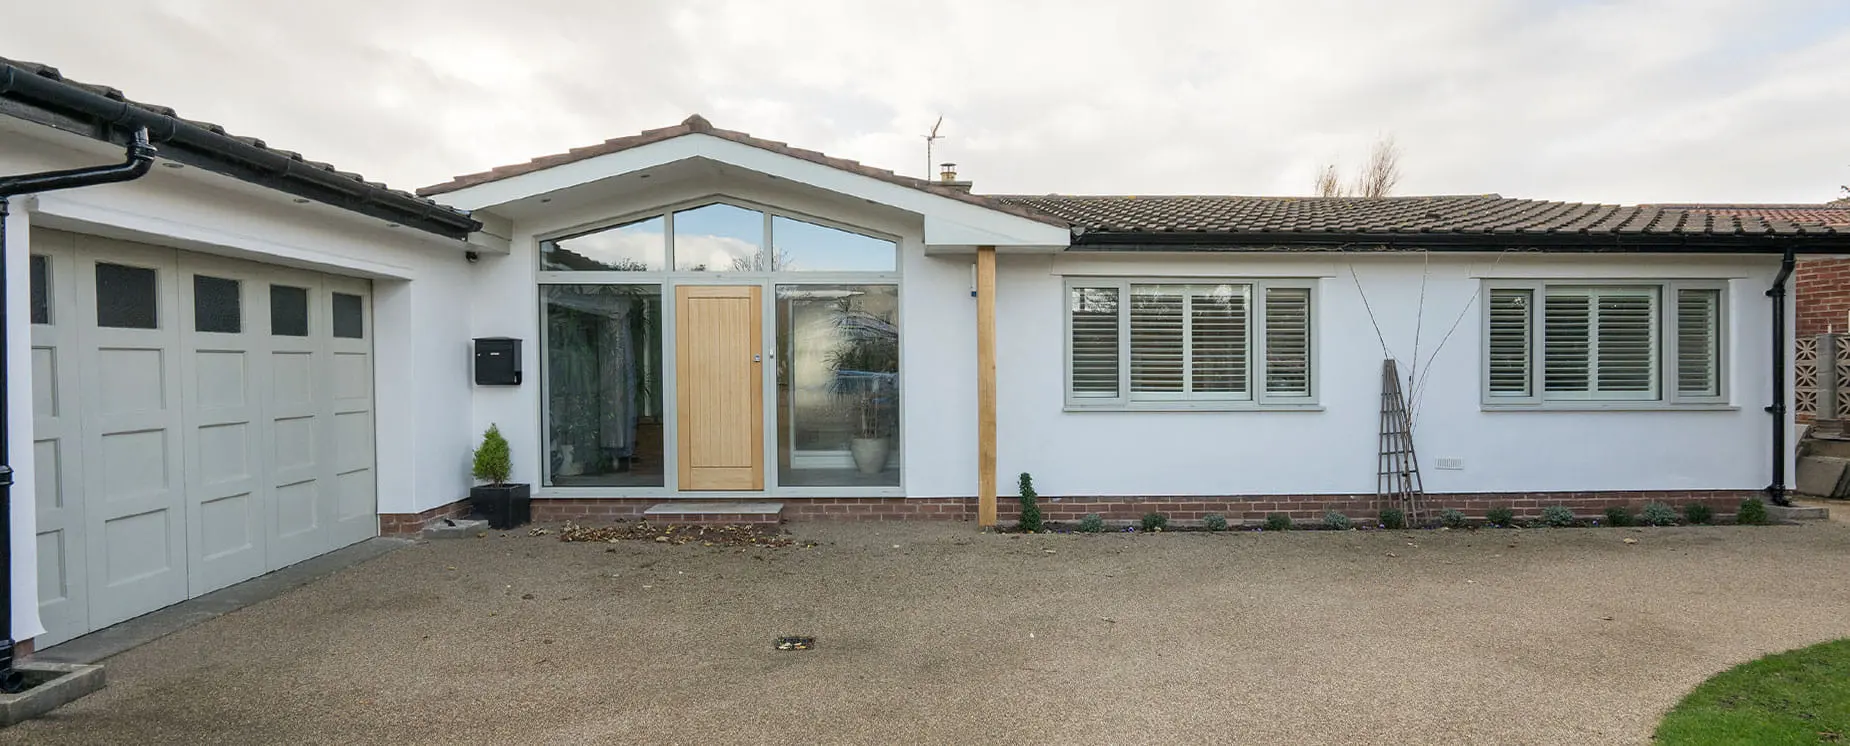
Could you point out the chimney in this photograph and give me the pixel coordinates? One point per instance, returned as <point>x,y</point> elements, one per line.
<point>947,177</point>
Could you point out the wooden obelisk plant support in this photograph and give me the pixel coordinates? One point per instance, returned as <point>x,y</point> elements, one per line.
<point>1398,476</point>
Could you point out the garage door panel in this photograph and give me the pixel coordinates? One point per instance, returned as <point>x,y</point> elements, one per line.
<point>221,380</point>
<point>225,526</point>
<point>137,547</point>
<point>133,380</point>
<point>57,449</point>
<point>135,466</point>
<point>292,376</point>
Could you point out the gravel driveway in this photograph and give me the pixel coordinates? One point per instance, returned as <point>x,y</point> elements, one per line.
<point>935,633</point>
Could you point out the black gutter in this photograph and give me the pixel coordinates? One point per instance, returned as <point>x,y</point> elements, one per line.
<point>54,102</point>
<point>140,159</point>
<point>1776,490</point>
<point>1685,243</point>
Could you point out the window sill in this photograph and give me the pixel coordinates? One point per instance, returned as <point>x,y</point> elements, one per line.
<point>1611,406</point>
<point>1195,407</point>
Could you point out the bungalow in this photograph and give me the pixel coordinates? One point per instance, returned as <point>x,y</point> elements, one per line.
<point>244,359</point>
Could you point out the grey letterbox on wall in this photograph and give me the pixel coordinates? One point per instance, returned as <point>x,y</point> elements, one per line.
<point>497,361</point>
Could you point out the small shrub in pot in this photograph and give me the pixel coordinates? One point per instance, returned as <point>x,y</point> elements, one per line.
<point>1698,514</point>
<point>1658,514</point>
<point>1500,517</point>
<point>1393,518</point>
<point>1278,522</point>
<point>1618,515</point>
<point>1214,522</point>
<point>1091,524</point>
<point>1337,521</point>
<point>1154,521</point>
<point>1453,518</point>
<point>1752,512</point>
<point>1557,516</point>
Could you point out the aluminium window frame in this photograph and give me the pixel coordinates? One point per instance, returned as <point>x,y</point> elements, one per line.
<point>1257,399</point>
<point>1669,397</point>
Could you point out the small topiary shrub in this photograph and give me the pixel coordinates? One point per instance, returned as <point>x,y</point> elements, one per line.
<point>1557,516</point>
<point>1214,522</point>
<point>1337,522</point>
<point>1500,517</point>
<point>1658,514</point>
<point>1751,513</point>
<point>1030,507</point>
<point>1278,522</point>
<point>1698,514</point>
<point>1092,524</point>
<point>493,463</point>
<point>1393,518</point>
<point>1154,521</point>
<point>1453,518</point>
<point>1618,516</point>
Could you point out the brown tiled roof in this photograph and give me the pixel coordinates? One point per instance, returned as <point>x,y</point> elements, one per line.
<point>374,187</point>
<point>1467,214</point>
<point>697,124</point>
<point>1835,214</point>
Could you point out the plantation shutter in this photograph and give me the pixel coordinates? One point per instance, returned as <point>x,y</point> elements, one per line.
<point>1626,351</point>
<point>1217,334</point>
<point>1158,320</point>
<point>1698,318</point>
<point>1287,342</point>
<point>1567,338</point>
<point>1509,350</point>
<point>1094,365</point>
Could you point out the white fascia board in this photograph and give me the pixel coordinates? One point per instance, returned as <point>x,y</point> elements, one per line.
<point>64,210</point>
<point>956,222</point>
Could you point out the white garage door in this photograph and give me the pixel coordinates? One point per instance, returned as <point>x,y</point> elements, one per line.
<point>199,421</point>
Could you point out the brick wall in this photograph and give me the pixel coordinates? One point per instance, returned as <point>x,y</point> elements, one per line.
<point>407,524</point>
<point>1236,508</point>
<point>1822,290</point>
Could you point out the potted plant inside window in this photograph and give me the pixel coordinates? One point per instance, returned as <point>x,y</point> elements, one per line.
<point>504,504</point>
<point>866,364</point>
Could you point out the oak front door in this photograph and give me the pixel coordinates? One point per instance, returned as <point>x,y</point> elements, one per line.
<point>718,358</point>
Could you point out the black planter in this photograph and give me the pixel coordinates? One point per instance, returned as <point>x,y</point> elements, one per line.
<point>505,506</point>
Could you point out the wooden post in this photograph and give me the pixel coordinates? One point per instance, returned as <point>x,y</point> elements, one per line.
<point>986,386</point>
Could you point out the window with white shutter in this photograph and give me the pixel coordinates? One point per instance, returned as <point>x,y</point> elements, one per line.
<point>1094,366</point>
<point>1508,343</point>
<point>1699,333</point>
<point>1287,342</point>
<point>1188,345</point>
<point>1628,343</point>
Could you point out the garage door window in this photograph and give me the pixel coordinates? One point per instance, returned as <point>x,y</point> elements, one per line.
<point>41,289</point>
<point>216,307</point>
<point>349,316</point>
<point>288,311</point>
<point>125,296</point>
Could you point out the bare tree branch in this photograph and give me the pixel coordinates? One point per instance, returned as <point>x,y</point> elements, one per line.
<point>1382,173</point>
<point>1328,183</point>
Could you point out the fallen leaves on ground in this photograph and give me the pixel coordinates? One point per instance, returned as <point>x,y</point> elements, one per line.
<point>708,536</point>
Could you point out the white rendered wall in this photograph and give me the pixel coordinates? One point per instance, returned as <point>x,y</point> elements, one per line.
<point>1334,450</point>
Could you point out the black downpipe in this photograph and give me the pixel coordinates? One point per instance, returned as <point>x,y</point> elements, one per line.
<point>140,159</point>
<point>1776,490</point>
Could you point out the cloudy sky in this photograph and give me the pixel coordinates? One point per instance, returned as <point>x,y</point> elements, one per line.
<point>1593,100</point>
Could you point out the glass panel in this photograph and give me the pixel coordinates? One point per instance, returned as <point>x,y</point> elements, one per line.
<point>641,246</point>
<point>720,238</point>
<point>349,316</point>
<point>125,296</point>
<point>41,289</point>
<point>288,311</point>
<point>216,305</point>
<point>808,247</point>
<point>603,385</point>
<point>837,385</point>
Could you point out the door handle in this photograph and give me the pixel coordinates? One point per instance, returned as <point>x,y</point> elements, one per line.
<point>757,358</point>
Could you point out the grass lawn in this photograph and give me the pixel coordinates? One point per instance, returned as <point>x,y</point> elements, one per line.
<point>1796,697</point>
